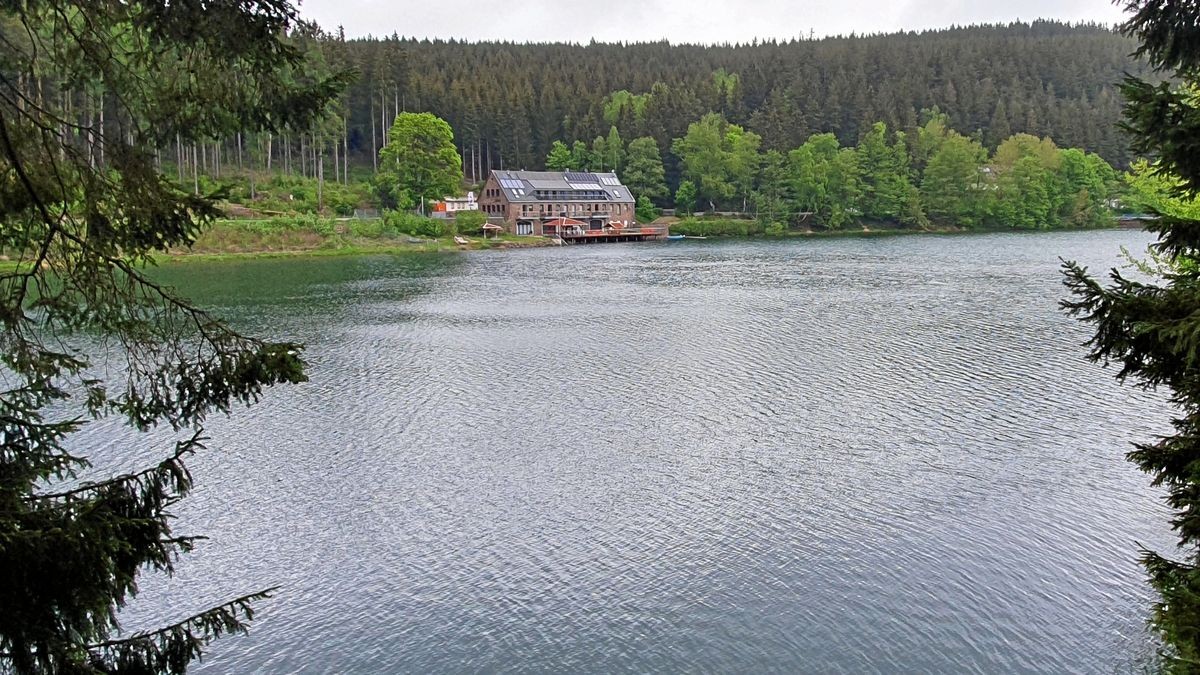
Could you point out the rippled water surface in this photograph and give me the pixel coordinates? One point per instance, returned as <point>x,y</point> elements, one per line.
<point>834,456</point>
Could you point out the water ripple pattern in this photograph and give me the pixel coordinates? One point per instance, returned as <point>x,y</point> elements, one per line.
<point>829,456</point>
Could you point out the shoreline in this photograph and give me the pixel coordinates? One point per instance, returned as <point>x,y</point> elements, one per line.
<point>212,251</point>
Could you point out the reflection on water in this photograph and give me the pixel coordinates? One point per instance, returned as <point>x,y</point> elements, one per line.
<point>855,455</point>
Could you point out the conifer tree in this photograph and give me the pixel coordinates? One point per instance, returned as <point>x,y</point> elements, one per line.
<point>88,92</point>
<point>644,174</point>
<point>1151,329</point>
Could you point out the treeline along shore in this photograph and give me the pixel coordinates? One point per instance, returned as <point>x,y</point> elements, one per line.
<point>980,127</point>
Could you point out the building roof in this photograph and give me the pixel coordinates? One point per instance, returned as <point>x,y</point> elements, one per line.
<point>538,186</point>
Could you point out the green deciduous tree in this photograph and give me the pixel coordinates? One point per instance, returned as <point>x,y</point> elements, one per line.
<point>719,157</point>
<point>469,221</point>
<point>952,187</point>
<point>1084,183</point>
<point>703,158</point>
<point>1152,191</point>
<point>685,197</point>
<point>825,180</point>
<point>88,93</point>
<point>559,158</point>
<point>419,162</point>
<point>887,192</point>
<point>581,157</point>
<point>646,212</point>
<point>1151,328</point>
<point>1025,195</point>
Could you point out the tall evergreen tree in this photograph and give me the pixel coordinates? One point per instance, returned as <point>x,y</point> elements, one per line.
<point>87,94</point>
<point>614,150</point>
<point>644,173</point>
<point>1152,328</point>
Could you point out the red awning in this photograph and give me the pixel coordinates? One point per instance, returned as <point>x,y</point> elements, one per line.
<point>564,222</point>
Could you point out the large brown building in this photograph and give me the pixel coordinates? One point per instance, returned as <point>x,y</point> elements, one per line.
<point>548,202</point>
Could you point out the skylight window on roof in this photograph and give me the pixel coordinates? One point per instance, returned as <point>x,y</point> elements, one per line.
<point>585,186</point>
<point>576,177</point>
<point>610,180</point>
<point>512,183</point>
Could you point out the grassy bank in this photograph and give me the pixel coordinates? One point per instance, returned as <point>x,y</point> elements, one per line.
<point>311,235</point>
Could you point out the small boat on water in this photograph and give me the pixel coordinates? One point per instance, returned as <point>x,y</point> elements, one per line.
<point>688,236</point>
<point>674,237</point>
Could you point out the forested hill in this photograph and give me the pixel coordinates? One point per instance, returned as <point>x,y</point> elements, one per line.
<point>512,100</point>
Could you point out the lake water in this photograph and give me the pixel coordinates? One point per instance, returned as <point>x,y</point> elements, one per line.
<point>833,456</point>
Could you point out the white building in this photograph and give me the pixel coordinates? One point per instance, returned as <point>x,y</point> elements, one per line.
<point>451,205</point>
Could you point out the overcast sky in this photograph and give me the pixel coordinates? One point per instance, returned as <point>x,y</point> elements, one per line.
<point>704,21</point>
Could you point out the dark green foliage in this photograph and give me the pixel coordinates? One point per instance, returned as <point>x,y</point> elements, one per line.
<point>88,91</point>
<point>419,163</point>
<point>509,102</point>
<point>685,197</point>
<point>643,173</point>
<point>941,178</point>
<point>721,159</point>
<point>1151,328</point>
<point>886,186</point>
<point>469,222</point>
<point>952,183</point>
<point>559,158</point>
<point>405,222</point>
<point>646,213</point>
<point>717,227</point>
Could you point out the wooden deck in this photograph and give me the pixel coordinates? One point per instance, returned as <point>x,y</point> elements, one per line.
<point>611,235</point>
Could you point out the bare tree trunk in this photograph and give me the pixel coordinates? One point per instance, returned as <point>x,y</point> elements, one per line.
<point>270,138</point>
<point>179,157</point>
<point>384,127</point>
<point>321,181</point>
<point>374,142</point>
<point>195,172</point>
<point>258,144</point>
<point>239,142</point>
<point>91,137</point>
<point>101,129</point>
<point>346,155</point>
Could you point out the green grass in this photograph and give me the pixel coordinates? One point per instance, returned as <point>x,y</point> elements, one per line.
<point>314,236</point>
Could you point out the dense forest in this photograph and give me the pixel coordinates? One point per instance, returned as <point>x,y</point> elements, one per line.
<point>635,107</point>
<point>508,102</point>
